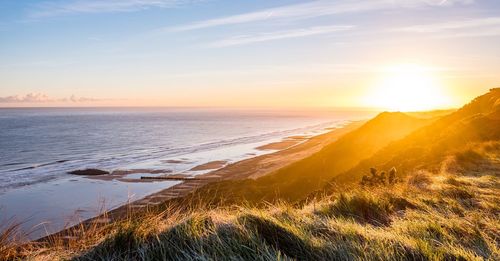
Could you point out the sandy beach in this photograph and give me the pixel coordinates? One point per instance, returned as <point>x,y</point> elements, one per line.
<point>294,149</point>
<point>210,165</point>
<point>281,145</point>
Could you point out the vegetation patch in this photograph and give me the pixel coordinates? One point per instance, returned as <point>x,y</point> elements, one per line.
<point>280,238</point>
<point>420,180</point>
<point>362,208</point>
<point>399,222</point>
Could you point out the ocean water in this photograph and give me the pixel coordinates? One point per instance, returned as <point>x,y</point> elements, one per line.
<point>39,146</point>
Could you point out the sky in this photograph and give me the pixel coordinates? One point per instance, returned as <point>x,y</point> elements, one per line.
<point>237,53</point>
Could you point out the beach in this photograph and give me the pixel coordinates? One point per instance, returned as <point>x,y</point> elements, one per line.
<point>252,168</point>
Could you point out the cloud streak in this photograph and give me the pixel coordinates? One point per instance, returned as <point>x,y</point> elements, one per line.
<point>312,9</point>
<point>270,36</point>
<point>60,8</point>
<point>488,32</point>
<point>455,25</point>
<point>472,28</point>
<point>43,98</point>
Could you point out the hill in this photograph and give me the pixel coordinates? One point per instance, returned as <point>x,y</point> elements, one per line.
<point>428,147</point>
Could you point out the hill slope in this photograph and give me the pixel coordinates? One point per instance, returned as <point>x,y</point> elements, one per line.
<point>428,147</point>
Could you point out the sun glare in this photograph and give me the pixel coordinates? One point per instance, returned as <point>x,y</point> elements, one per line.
<point>408,87</point>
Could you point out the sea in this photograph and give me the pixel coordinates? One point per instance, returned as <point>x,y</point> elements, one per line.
<point>39,146</point>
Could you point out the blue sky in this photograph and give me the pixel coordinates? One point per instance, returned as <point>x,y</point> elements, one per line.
<point>239,53</point>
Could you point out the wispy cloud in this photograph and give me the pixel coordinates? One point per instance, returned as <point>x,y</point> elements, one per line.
<point>314,9</point>
<point>43,98</point>
<point>447,2</point>
<point>487,32</point>
<point>455,25</point>
<point>479,27</point>
<point>270,36</point>
<point>59,8</point>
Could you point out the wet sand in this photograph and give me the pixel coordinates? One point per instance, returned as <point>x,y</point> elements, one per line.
<point>210,165</point>
<point>281,145</point>
<point>173,161</point>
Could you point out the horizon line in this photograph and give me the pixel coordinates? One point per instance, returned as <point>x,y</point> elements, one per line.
<point>322,108</point>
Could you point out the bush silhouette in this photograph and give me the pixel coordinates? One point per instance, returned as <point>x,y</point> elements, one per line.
<point>379,179</point>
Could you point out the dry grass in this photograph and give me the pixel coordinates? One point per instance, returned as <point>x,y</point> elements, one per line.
<point>477,159</point>
<point>9,240</point>
<point>451,217</point>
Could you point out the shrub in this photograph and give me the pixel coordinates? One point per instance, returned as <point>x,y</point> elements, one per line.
<point>381,179</point>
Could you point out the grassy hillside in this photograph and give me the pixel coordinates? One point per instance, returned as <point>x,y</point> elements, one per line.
<point>297,180</point>
<point>429,216</point>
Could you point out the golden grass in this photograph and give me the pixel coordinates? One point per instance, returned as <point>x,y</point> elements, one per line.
<point>427,217</point>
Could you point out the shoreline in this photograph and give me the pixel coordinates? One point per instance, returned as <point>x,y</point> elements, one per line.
<point>252,168</point>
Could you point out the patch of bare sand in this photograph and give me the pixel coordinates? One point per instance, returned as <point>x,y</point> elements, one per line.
<point>210,165</point>
<point>280,145</point>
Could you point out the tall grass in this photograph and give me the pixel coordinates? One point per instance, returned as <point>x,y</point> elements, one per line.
<point>9,240</point>
<point>450,218</point>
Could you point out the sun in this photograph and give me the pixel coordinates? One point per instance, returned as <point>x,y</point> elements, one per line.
<point>408,87</point>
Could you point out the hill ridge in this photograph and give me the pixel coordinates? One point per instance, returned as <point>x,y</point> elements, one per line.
<point>477,121</point>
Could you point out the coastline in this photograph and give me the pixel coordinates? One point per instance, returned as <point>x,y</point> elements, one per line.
<point>253,168</point>
<point>47,208</point>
